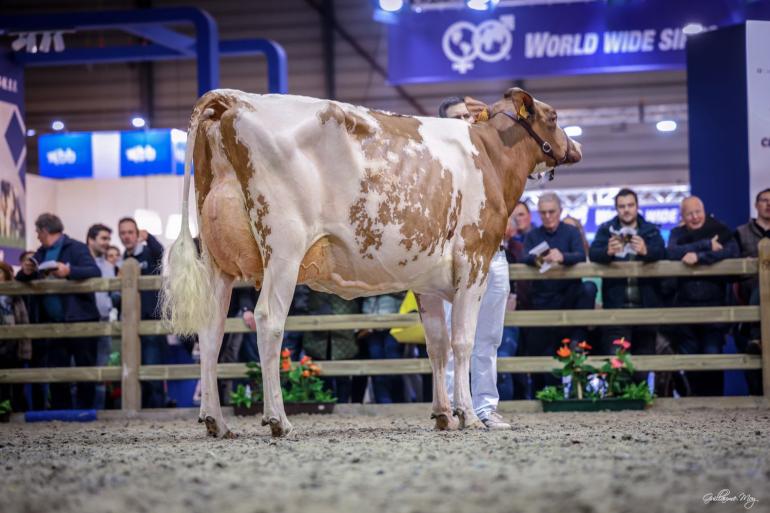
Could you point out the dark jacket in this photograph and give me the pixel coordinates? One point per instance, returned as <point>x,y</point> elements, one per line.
<point>702,291</point>
<point>748,236</point>
<point>614,290</point>
<point>77,307</point>
<point>566,239</point>
<point>150,260</point>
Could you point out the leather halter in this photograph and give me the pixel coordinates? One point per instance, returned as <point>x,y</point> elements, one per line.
<point>544,145</point>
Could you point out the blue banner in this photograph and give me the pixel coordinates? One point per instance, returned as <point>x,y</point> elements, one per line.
<point>13,157</point>
<point>145,152</point>
<point>65,155</point>
<point>112,154</point>
<point>551,39</point>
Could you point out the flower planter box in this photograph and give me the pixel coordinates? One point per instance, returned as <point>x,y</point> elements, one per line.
<point>610,404</point>
<point>291,408</point>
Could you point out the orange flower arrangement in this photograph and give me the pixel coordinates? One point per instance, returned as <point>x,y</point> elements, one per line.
<point>564,352</point>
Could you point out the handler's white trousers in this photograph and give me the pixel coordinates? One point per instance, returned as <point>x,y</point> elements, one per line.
<point>489,335</point>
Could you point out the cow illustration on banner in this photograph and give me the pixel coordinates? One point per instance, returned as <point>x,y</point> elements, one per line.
<point>13,157</point>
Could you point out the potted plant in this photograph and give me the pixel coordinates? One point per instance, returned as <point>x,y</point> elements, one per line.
<point>586,388</point>
<point>5,411</point>
<point>302,389</point>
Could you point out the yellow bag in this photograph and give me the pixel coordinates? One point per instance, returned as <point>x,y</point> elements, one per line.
<point>412,334</point>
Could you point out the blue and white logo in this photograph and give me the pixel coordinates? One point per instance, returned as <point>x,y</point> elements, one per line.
<point>140,154</point>
<point>491,41</point>
<point>61,156</point>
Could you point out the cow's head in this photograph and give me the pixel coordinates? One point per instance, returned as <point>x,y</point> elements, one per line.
<point>518,116</point>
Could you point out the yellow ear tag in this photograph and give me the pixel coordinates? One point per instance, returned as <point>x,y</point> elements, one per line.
<point>483,115</point>
<point>523,112</point>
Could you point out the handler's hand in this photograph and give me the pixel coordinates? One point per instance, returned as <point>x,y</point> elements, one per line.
<point>614,246</point>
<point>249,320</point>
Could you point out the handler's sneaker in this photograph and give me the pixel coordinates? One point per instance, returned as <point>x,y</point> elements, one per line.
<point>495,422</point>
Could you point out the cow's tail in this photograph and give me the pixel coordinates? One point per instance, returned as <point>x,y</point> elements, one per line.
<point>186,299</point>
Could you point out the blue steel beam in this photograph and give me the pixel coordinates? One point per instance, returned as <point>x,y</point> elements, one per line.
<point>163,36</point>
<point>277,64</point>
<point>206,32</point>
<point>277,69</point>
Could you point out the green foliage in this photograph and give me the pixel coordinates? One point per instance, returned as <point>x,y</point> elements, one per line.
<point>242,397</point>
<point>549,394</point>
<point>616,372</point>
<point>5,407</point>
<point>299,382</point>
<point>639,391</point>
<point>114,359</point>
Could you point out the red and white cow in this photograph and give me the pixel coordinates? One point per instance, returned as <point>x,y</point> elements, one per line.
<point>350,201</point>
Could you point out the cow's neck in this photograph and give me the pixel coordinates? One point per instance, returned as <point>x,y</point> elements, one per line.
<point>513,157</point>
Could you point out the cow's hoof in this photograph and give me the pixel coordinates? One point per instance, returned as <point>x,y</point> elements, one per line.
<point>229,435</point>
<point>211,426</point>
<point>278,429</point>
<point>469,420</point>
<point>445,422</point>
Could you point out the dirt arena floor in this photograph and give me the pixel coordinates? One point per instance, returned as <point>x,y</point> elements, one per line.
<point>602,462</point>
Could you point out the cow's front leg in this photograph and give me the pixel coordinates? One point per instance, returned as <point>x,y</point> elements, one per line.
<point>270,314</point>
<point>465,313</point>
<point>437,340</point>
<point>210,341</point>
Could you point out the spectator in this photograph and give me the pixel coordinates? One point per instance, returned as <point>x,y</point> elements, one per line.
<point>64,258</point>
<point>98,241</point>
<point>113,256</point>
<point>332,345</point>
<point>565,247</point>
<point>573,221</point>
<point>523,219</point>
<point>489,328</point>
<point>239,347</point>
<point>146,250</point>
<point>701,240</point>
<point>748,237</point>
<point>609,245</point>
<point>382,345</point>
<point>14,353</point>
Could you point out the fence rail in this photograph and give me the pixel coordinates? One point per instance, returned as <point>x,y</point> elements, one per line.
<point>130,328</point>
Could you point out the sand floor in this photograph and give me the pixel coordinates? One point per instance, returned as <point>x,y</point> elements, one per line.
<point>621,462</point>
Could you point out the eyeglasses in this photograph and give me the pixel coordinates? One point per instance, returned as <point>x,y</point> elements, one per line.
<point>548,212</point>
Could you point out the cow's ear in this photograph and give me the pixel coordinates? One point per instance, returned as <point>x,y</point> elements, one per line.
<point>478,109</point>
<point>523,104</point>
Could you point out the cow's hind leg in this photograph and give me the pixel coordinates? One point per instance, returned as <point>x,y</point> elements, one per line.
<point>465,313</point>
<point>272,308</point>
<point>210,340</point>
<point>437,340</point>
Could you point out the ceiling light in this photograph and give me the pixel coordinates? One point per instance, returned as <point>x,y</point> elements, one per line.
<point>57,125</point>
<point>693,28</point>
<point>391,5</point>
<point>481,5</point>
<point>31,132</point>
<point>138,122</point>
<point>666,125</point>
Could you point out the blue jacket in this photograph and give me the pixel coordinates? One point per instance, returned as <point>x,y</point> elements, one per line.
<point>614,290</point>
<point>77,307</point>
<point>150,260</point>
<point>566,239</point>
<point>700,291</point>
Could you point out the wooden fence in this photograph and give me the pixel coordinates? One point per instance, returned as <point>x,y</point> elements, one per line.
<point>131,327</point>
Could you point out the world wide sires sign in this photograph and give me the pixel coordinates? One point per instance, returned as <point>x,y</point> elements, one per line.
<point>551,39</point>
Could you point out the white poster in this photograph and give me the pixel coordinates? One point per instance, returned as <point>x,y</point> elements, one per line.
<point>758,97</point>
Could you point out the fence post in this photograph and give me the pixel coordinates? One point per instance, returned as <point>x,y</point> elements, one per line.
<point>764,311</point>
<point>131,348</point>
